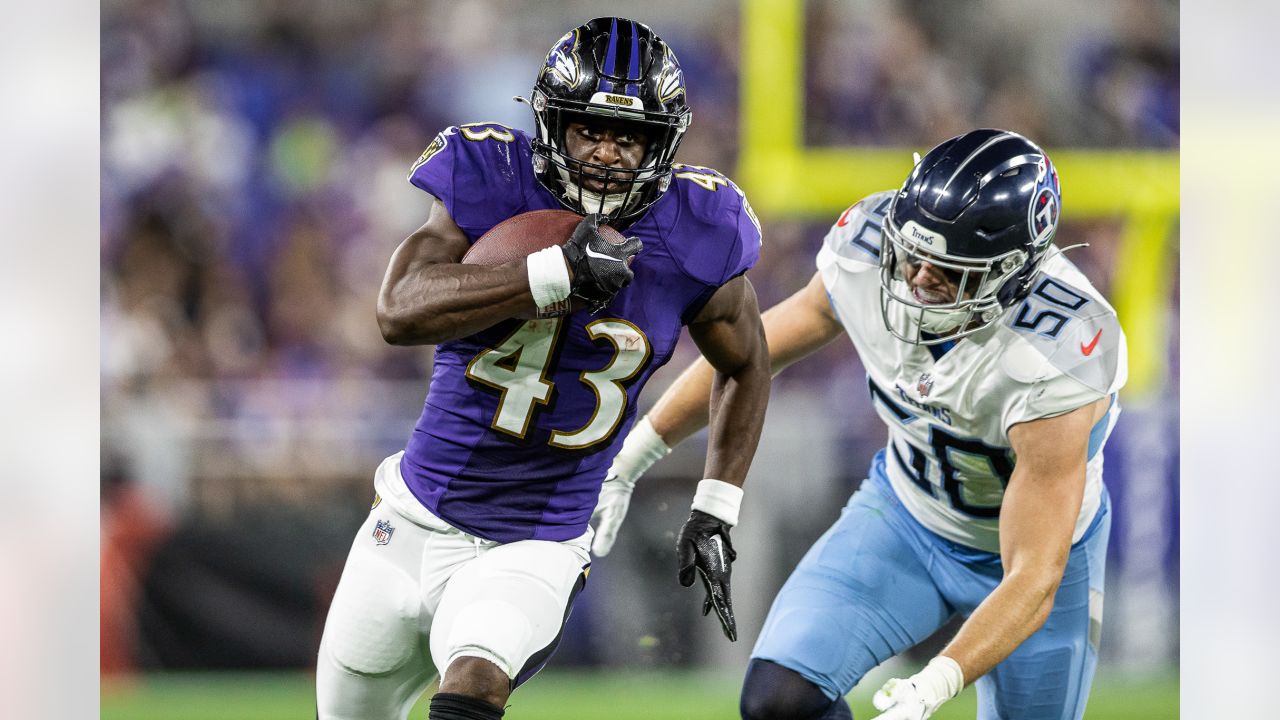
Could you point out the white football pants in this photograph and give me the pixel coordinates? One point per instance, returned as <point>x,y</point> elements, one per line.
<point>417,593</point>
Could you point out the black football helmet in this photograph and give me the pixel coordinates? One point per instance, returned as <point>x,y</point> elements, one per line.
<point>981,207</point>
<point>617,69</point>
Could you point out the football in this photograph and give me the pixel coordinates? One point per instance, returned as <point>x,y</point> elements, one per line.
<point>527,233</point>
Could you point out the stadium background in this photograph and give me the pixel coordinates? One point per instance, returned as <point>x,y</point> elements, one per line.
<point>253,163</point>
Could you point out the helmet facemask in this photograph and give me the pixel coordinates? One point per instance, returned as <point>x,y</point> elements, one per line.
<point>977,283</point>
<point>636,188</point>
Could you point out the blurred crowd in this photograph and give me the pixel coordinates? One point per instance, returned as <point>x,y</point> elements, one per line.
<point>253,170</point>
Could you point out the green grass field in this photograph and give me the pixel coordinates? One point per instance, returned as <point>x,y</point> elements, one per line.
<point>554,695</point>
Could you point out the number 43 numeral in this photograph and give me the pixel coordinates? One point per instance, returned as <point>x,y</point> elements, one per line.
<point>517,368</point>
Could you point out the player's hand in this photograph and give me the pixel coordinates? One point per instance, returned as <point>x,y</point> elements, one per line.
<point>704,551</point>
<point>899,699</point>
<point>919,696</point>
<point>600,268</point>
<point>615,498</point>
<point>642,448</point>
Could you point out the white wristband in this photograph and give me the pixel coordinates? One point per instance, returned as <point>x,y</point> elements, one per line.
<point>548,277</point>
<point>940,680</point>
<point>642,448</point>
<point>718,499</point>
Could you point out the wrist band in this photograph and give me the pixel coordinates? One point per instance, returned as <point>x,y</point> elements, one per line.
<point>548,277</point>
<point>942,679</point>
<point>642,448</point>
<point>718,499</point>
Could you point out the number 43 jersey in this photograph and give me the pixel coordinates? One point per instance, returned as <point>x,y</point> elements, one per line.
<point>949,408</point>
<point>523,419</point>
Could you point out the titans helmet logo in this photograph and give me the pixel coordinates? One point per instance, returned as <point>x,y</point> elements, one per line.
<point>562,61</point>
<point>1044,215</point>
<point>670,78</point>
<point>1046,205</point>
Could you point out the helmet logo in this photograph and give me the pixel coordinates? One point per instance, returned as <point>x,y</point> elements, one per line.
<point>671,78</point>
<point>918,235</point>
<point>1044,216</point>
<point>602,98</point>
<point>562,62</point>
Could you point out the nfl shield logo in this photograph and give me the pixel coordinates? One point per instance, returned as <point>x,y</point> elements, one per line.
<point>382,532</point>
<point>925,385</point>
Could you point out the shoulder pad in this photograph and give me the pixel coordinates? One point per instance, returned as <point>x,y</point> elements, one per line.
<point>853,242</point>
<point>477,170</point>
<point>1066,328</point>
<point>718,235</point>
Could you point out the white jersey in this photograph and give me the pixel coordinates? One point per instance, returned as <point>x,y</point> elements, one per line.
<point>949,457</point>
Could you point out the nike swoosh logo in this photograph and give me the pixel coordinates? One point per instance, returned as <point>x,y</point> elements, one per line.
<point>719,549</point>
<point>1088,349</point>
<point>601,256</point>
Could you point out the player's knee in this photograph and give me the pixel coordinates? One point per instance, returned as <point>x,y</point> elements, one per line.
<point>478,678</point>
<point>773,692</point>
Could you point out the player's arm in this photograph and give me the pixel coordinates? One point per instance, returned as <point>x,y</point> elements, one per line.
<point>794,328</point>
<point>429,296</point>
<point>730,335</point>
<point>1037,518</point>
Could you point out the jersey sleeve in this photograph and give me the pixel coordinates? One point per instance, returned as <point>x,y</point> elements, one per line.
<point>1086,362</point>
<point>473,170</point>
<point>852,245</point>
<point>717,234</point>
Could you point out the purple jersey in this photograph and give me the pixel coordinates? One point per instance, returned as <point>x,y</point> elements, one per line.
<point>523,419</point>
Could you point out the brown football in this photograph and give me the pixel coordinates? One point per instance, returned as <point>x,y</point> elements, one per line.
<point>522,235</point>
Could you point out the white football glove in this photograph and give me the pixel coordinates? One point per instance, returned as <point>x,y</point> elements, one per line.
<point>642,448</point>
<point>919,696</point>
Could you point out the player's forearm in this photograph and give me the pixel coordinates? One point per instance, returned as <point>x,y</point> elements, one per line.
<point>684,408</point>
<point>445,301</point>
<point>1018,606</point>
<point>737,409</point>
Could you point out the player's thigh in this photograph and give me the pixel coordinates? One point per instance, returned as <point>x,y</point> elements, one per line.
<point>858,597</point>
<point>1049,675</point>
<point>372,661</point>
<point>508,606</point>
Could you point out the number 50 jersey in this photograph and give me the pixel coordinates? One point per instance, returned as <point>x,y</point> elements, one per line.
<point>523,419</point>
<point>949,410</point>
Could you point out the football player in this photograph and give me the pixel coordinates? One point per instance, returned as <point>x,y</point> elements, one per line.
<point>478,539</point>
<point>995,365</point>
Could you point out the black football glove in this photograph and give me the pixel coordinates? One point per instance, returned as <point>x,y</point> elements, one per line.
<point>599,267</point>
<point>704,549</point>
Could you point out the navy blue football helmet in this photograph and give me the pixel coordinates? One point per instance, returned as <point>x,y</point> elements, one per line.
<point>982,208</point>
<point>617,69</point>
